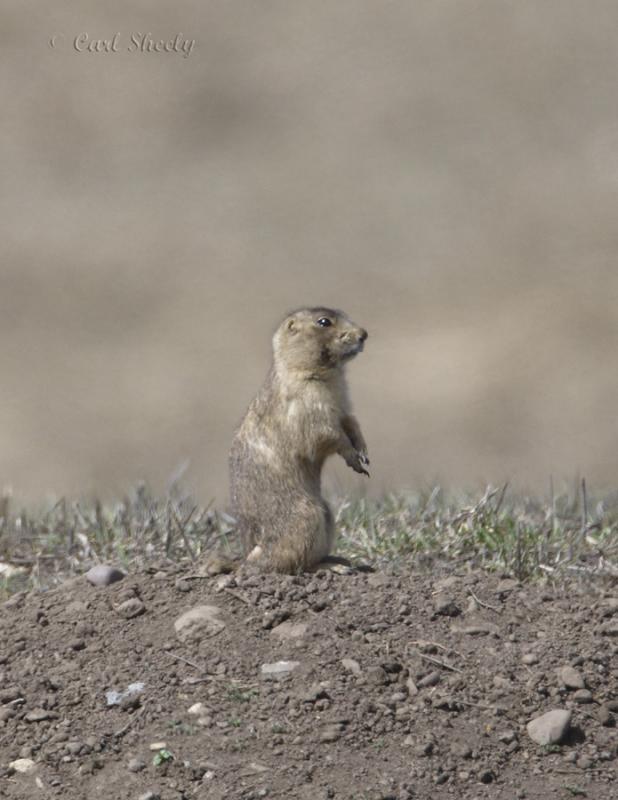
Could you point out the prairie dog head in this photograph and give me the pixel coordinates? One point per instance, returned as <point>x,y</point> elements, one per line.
<point>317,340</point>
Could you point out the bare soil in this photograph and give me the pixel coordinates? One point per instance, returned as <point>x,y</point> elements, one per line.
<point>400,686</point>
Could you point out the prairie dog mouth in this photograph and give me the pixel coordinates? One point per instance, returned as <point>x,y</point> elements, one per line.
<point>354,349</point>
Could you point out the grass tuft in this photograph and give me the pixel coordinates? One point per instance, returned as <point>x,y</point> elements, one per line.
<point>571,534</point>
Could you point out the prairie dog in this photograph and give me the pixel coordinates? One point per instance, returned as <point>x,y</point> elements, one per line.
<point>299,417</point>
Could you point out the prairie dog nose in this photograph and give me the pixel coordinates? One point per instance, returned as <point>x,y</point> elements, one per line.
<point>363,335</point>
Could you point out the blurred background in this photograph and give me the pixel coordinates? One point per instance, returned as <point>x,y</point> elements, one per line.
<point>445,172</point>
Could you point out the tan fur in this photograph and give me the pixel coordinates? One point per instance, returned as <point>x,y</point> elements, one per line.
<point>300,416</point>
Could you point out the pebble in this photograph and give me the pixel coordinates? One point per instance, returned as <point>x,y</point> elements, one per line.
<point>8,695</point>
<point>182,585</point>
<point>605,717</point>
<point>199,709</point>
<point>583,697</point>
<point>199,622</point>
<point>272,619</point>
<point>104,575</point>
<point>506,586</point>
<point>529,659</point>
<point>133,607</point>
<point>478,629</point>
<point>40,715</point>
<point>315,692</point>
<point>376,676</point>
<point>114,698</point>
<point>149,796</point>
<point>290,630</point>
<point>446,606</point>
<point>351,665</point>
<point>610,629</point>
<point>279,668</point>
<point>571,678</point>
<point>461,750</point>
<point>331,733</point>
<point>432,679</point>
<point>584,762</point>
<point>22,765</point>
<point>136,765</point>
<point>549,728</point>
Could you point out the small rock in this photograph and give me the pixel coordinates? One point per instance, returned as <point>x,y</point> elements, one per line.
<point>376,676</point>
<point>133,607</point>
<point>478,629</point>
<point>315,692</point>
<point>279,668</point>
<point>446,606</point>
<point>610,629</point>
<point>429,680</point>
<point>199,622</point>
<point>224,582</point>
<point>198,709</point>
<point>331,733</point>
<point>129,702</point>
<point>506,586</point>
<point>605,717</point>
<point>182,585</point>
<point>16,601</point>
<point>157,746</point>
<point>149,796</point>
<point>549,728</point>
<point>8,695</point>
<point>351,665</point>
<point>136,765</point>
<point>114,698</point>
<point>40,715</point>
<point>583,697</point>
<point>290,630</point>
<point>104,575</point>
<point>571,678</point>
<point>584,762</point>
<point>612,705</point>
<point>424,749</point>
<point>507,736</point>
<point>529,659</point>
<point>461,750</point>
<point>272,619</point>
<point>22,765</point>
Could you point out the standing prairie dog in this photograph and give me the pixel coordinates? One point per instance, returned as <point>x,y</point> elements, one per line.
<point>300,416</point>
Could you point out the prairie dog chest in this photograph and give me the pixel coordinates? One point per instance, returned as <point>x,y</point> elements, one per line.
<point>317,404</point>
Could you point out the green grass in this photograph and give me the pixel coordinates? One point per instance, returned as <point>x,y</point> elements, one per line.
<point>527,537</point>
<point>519,535</point>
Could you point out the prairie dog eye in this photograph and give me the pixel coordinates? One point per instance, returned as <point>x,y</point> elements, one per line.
<point>324,322</point>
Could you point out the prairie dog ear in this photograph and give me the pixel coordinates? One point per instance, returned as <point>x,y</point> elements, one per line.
<point>291,325</point>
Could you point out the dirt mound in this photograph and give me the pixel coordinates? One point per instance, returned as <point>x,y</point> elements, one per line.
<point>321,686</point>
